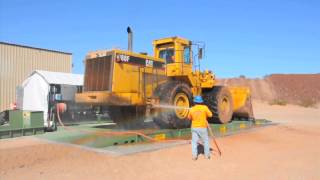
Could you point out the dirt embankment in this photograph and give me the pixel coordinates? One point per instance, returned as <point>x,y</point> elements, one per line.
<point>300,89</point>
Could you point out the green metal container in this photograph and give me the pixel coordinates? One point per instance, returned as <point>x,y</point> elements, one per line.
<point>37,119</point>
<point>23,123</point>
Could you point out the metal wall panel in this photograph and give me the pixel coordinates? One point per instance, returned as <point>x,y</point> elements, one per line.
<point>17,62</point>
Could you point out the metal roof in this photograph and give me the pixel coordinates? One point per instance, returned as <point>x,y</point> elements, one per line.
<point>24,46</point>
<point>60,78</point>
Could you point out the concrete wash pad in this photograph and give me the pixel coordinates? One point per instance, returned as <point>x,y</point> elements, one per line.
<point>106,138</point>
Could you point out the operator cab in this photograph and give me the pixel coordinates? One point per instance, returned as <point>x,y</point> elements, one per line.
<point>177,54</point>
<point>173,50</point>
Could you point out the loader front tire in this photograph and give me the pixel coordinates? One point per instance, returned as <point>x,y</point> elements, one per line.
<point>219,101</point>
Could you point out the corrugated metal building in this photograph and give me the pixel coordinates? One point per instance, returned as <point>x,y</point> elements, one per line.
<point>18,61</point>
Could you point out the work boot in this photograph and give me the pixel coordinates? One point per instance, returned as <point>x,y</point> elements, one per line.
<point>209,157</point>
<point>194,158</point>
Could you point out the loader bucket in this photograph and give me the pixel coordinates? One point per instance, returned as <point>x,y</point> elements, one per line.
<point>242,105</point>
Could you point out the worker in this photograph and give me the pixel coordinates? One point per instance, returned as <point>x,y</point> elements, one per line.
<point>198,115</point>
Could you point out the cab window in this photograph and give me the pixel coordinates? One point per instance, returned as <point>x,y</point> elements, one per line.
<point>186,55</point>
<point>167,54</point>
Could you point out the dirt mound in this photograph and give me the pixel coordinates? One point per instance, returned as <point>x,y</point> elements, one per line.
<point>301,89</point>
<point>261,89</point>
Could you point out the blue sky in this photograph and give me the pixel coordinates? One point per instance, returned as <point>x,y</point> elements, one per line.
<point>242,37</point>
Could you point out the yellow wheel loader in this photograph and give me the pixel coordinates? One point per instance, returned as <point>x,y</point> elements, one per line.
<point>129,85</point>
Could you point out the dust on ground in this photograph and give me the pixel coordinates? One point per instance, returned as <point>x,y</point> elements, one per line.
<point>290,150</point>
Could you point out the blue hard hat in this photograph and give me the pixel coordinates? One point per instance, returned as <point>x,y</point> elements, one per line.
<point>198,99</point>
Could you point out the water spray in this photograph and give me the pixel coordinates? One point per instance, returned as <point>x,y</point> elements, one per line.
<point>171,107</point>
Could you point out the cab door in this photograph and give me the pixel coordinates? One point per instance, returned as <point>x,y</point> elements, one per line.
<point>186,60</point>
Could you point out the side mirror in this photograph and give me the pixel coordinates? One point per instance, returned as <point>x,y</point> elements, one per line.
<point>200,52</point>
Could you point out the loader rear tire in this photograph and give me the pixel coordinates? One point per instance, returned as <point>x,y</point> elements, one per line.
<point>127,117</point>
<point>219,100</point>
<point>173,93</point>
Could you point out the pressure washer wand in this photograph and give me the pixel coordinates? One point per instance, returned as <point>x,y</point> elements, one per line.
<point>213,138</point>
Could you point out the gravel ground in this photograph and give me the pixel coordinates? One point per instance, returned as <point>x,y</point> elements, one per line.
<point>290,150</point>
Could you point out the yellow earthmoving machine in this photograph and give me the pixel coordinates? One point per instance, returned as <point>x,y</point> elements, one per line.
<point>128,85</point>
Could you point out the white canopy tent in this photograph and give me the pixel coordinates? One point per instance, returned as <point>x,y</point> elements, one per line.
<point>32,95</point>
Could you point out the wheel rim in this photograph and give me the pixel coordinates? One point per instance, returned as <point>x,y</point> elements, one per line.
<point>181,101</point>
<point>225,105</point>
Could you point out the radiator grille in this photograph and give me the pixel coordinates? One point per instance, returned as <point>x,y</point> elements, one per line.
<point>98,74</point>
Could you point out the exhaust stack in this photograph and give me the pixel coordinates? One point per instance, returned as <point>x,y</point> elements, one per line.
<point>130,38</point>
